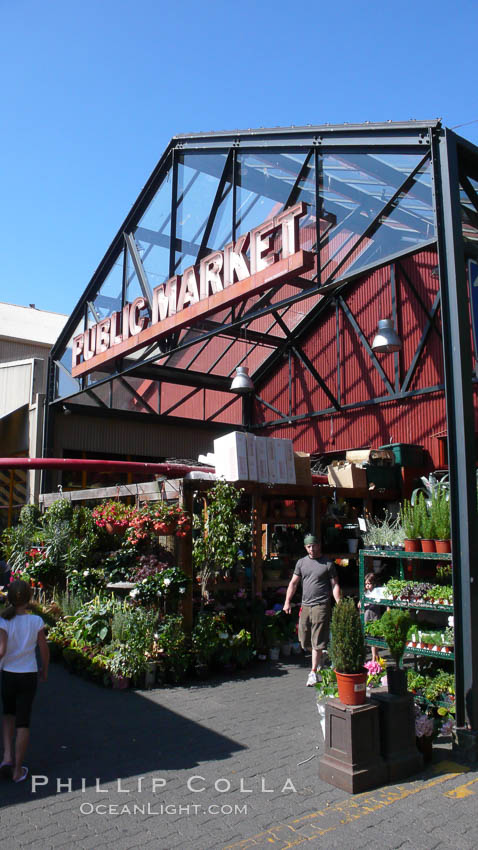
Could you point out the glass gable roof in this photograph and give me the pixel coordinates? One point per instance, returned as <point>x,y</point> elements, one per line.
<point>363,204</point>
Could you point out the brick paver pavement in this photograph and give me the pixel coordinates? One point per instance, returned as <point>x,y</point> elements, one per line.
<point>228,763</point>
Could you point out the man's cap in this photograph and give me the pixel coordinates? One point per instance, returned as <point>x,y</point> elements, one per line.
<point>309,539</point>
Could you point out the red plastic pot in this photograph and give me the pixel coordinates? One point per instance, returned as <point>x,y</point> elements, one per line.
<point>443,545</point>
<point>352,688</point>
<point>412,545</point>
<point>428,545</point>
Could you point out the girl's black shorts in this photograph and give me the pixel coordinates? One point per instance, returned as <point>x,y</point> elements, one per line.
<point>18,692</point>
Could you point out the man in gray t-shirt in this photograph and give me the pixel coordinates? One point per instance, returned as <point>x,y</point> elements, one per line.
<point>319,582</point>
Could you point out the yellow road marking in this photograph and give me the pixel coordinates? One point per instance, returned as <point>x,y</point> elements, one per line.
<point>461,791</point>
<point>315,824</point>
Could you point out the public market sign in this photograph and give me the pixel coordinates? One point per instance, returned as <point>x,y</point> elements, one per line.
<point>218,281</point>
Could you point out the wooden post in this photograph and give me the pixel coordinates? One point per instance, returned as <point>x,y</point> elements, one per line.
<point>256,578</point>
<point>10,497</point>
<point>186,559</point>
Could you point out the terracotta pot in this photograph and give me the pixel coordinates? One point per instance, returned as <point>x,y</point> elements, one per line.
<point>443,545</point>
<point>412,545</point>
<point>115,528</point>
<point>428,545</point>
<point>352,688</point>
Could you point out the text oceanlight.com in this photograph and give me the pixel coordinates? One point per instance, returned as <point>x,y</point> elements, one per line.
<point>162,809</point>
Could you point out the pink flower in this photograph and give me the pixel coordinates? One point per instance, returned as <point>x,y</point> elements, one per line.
<point>373,667</point>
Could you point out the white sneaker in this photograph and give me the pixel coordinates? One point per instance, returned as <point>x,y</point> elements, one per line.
<point>311,679</point>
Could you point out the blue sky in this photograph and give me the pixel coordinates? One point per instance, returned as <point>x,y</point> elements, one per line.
<point>93,91</point>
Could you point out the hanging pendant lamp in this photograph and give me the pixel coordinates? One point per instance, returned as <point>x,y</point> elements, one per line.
<point>386,339</point>
<point>241,382</point>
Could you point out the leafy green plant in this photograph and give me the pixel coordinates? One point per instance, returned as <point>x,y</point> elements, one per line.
<point>137,627</point>
<point>410,520</point>
<point>327,687</point>
<point>347,647</point>
<point>222,539</point>
<point>205,637</point>
<point>441,513</point>
<point>165,584</point>
<point>395,625</point>
<point>172,647</point>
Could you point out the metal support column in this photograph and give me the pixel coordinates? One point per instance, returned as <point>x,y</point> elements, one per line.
<point>461,437</point>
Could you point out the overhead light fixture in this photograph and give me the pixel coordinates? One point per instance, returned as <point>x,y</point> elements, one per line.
<point>386,339</point>
<point>241,382</point>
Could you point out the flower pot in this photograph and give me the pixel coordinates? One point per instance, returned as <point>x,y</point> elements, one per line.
<point>120,683</point>
<point>443,545</point>
<point>397,681</point>
<point>150,675</point>
<point>352,688</point>
<point>428,545</point>
<point>296,648</point>
<point>425,746</point>
<point>352,544</point>
<point>274,652</point>
<point>285,649</point>
<point>412,545</point>
<point>115,528</point>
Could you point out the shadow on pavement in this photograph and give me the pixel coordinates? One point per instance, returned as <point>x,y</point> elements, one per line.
<point>81,731</point>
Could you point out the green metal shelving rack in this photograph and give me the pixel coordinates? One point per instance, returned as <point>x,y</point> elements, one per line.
<point>401,556</point>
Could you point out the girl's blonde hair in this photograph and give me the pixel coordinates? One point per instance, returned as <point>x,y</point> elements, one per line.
<point>18,594</point>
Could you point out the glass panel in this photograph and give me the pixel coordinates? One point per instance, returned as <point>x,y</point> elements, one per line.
<point>354,188</point>
<point>64,384</point>
<point>133,288</point>
<point>108,298</point>
<point>198,181</point>
<point>469,213</point>
<point>264,185</point>
<point>152,235</point>
<point>155,263</point>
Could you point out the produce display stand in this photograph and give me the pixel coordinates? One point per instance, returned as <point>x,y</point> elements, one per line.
<point>400,556</point>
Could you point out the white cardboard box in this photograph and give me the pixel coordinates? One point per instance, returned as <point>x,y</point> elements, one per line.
<point>281,465</point>
<point>231,457</point>
<point>251,457</point>
<point>261,458</point>
<point>289,461</point>
<point>271,461</point>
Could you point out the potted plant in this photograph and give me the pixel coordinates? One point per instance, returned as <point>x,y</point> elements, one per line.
<point>347,651</point>
<point>441,515</point>
<point>272,633</point>
<point>395,625</point>
<point>410,523</point>
<point>325,689</point>
<point>426,524</point>
<point>114,516</point>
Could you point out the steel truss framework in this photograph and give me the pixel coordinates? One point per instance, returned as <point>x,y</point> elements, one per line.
<point>374,194</point>
<point>366,202</point>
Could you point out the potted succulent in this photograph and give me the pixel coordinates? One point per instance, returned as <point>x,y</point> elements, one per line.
<point>395,625</point>
<point>348,653</point>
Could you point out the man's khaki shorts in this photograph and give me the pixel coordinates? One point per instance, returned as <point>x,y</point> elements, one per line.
<point>314,622</point>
